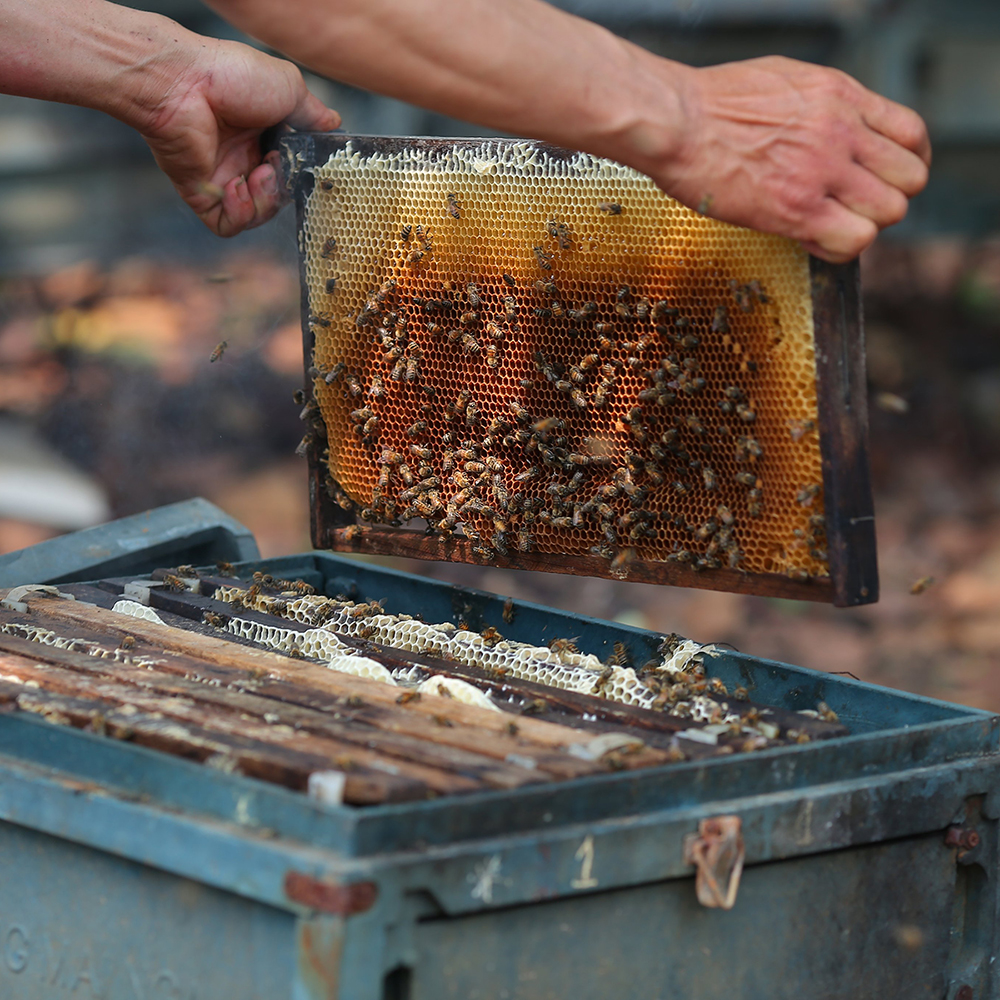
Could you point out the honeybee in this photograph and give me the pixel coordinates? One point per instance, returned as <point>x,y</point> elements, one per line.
<point>334,373</point>
<point>610,207</point>
<point>560,232</point>
<point>748,446</point>
<point>543,259</point>
<point>326,185</point>
<point>173,582</point>
<point>708,477</point>
<point>745,414</point>
<point>705,532</point>
<point>546,424</point>
<point>563,646</point>
<point>469,344</point>
<point>808,494</point>
<point>329,248</point>
<point>412,368</point>
<point>398,371</point>
<point>416,428</point>
<point>492,356</point>
<point>454,210</point>
<point>406,232</point>
<point>622,560</point>
<point>826,713</point>
<point>623,310</point>
<point>520,413</point>
<point>509,279</point>
<point>532,472</point>
<point>218,351</point>
<point>472,414</point>
<point>720,321</point>
<point>578,399</point>
<point>353,385</point>
<point>415,257</point>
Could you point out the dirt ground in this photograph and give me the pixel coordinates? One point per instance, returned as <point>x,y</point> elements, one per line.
<point>112,367</point>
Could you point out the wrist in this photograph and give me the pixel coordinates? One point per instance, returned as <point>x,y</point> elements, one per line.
<point>95,54</point>
<point>152,59</point>
<point>650,121</point>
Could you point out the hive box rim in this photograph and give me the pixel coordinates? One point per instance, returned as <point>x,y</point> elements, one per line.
<point>843,427</point>
<point>921,732</point>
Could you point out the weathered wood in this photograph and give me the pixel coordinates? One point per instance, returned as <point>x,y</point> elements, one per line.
<point>335,754</point>
<point>387,541</point>
<point>261,665</point>
<point>417,719</point>
<point>842,396</point>
<point>265,761</point>
<point>304,719</point>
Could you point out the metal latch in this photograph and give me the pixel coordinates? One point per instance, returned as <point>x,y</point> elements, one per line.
<point>717,852</point>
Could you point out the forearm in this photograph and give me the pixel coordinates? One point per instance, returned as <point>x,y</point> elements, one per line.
<point>92,53</point>
<point>520,66</point>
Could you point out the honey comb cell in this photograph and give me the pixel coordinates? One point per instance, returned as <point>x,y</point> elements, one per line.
<point>508,372</point>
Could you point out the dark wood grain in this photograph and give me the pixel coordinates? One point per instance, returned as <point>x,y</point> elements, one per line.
<point>182,737</point>
<point>381,540</point>
<point>843,420</point>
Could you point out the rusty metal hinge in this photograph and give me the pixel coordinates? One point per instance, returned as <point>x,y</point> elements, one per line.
<point>329,897</point>
<point>717,852</point>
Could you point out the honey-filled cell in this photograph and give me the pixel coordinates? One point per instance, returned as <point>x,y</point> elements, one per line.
<point>548,354</point>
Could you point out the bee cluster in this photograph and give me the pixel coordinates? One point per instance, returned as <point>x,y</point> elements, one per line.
<point>539,396</point>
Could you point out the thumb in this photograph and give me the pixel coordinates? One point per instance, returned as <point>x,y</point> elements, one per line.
<point>312,115</point>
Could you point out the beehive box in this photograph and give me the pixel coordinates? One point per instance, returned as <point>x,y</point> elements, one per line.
<point>129,872</point>
<point>528,357</point>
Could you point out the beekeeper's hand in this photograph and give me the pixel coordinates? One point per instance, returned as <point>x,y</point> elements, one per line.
<point>200,103</point>
<point>204,131</point>
<point>796,149</point>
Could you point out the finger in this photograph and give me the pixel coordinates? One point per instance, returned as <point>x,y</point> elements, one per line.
<point>864,193</point>
<point>898,123</point>
<point>263,187</point>
<point>312,115</point>
<point>237,208</point>
<point>897,166</point>
<point>837,234</point>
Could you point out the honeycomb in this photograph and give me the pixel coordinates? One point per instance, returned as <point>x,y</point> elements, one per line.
<point>545,353</point>
<point>562,666</point>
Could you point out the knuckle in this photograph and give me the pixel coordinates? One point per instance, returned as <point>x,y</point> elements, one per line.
<point>895,209</point>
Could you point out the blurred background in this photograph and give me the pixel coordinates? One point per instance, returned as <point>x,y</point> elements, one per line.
<point>112,297</point>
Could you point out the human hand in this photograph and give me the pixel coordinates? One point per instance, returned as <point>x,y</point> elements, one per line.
<point>796,149</point>
<point>205,132</point>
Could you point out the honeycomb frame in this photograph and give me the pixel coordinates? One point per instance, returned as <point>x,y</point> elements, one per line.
<point>379,225</point>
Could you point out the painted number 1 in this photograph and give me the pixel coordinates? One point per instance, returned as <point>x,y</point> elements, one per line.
<point>585,855</point>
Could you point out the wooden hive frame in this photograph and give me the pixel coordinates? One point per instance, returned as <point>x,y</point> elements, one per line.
<point>842,435</point>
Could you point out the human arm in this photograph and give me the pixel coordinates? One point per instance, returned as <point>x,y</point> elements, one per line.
<point>200,103</point>
<point>772,143</point>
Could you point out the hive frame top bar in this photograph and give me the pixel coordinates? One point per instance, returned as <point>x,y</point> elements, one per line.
<point>842,410</point>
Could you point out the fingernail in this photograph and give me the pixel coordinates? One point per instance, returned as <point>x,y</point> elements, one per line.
<point>269,180</point>
<point>241,190</point>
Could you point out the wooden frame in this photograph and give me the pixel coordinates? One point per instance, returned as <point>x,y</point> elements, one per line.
<point>843,435</point>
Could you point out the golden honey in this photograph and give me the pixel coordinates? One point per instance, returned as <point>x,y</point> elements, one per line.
<point>545,352</point>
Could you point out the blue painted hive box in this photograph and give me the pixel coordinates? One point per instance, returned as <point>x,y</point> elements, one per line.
<point>869,859</point>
